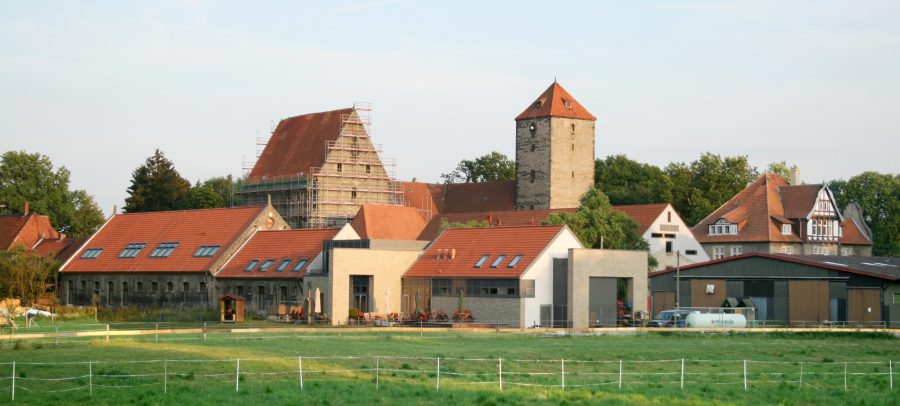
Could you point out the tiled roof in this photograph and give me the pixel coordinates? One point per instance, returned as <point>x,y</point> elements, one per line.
<point>10,226</point>
<point>298,144</point>
<point>643,214</point>
<point>556,102</point>
<point>762,207</point>
<point>59,248</point>
<point>379,222</point>
<point>851,234</point>
<point>280,246</point>
<point>481,196</point>
<point>887,268</point>
<point>494,218</point>
<point>25,229</point>
<point>190,228</point>
<point>470,244</point>
<point>427,197</point>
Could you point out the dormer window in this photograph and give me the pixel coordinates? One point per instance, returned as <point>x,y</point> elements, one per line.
<point>91,253</point>
<point>497,261</point>
<point>132,250</point>
<point>786,229</point>
<point>723,227</point>
<point>481,261</point>
<point>164,250</point>
<point>568,104</point>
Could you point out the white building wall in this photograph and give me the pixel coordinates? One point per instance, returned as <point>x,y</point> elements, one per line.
<point>541,271</point>
<point>684,241</point>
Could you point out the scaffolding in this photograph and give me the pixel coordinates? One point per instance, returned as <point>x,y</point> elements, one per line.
<point>352,174</point>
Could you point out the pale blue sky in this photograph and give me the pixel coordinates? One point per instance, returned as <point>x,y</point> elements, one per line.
<point>98,85</point>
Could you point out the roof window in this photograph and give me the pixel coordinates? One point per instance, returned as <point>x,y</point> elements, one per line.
<point>498,261</point>
<point>132,250</point>
<point>515,261</point>
<point>482,260</point>
<point>207,250</point>
<point>251,265</point>
<point>299,265</point>
<point>283,265</point>
<point>265,266</point>
<point>568,104</point>
<point>91,253</point>
<point>164,250</point>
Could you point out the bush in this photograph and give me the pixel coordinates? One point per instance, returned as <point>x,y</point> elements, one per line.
<point>157,314</point>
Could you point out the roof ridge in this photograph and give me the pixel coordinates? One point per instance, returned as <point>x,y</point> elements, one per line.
<point>191,210</point>
<point>319,112</point>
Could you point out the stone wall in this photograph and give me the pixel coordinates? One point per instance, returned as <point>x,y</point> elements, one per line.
<point>554,162</point>
<point>503,310</point>
<point>533,164</point>
<point>139,289</point>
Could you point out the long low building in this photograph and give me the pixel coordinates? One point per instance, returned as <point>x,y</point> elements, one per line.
<point>792,289</point>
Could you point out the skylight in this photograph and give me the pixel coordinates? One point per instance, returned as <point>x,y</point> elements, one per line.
<point>878,264</point>
<point>207,250</point>
<point>164,250</point>
<point>91,253</point>
<point>251,265</point>
<point>283,265</point>
<point>498,261</point>
<point>834,263</point>
<point>265,266</point>
<point>299,265</point>
<point>515,261</point>
<point>482,260</point>
<point>132,250</point>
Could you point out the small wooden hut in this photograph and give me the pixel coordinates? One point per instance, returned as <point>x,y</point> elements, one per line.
<point>232,308</point>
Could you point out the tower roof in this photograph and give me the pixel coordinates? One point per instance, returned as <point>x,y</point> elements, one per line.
<point>556,102</point>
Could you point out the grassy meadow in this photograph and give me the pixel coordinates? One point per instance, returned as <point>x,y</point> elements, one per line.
<point>345,367</point>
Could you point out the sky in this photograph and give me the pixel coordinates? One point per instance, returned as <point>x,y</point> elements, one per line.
<point>99,85</point>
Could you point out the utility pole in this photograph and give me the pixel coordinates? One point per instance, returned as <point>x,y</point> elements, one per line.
<point>677,279</point>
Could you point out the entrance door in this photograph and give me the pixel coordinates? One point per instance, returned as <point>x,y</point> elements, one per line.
<point>546,315</point>
<point>602,302</point>
<point>359,293</point>
<point>864,306</point>
<point>808,301</point>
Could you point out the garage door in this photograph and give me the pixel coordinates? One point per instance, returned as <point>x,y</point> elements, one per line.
<point>808,301</point>
<point>863,305</point>
<point>663,301</point>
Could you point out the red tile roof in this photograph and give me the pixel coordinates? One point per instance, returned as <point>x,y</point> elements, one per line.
<point>190,228</point>
<point>798,201</point>
<point>280,245</point>
<point>427,197</point>
<point>470,244</point>
<point>298,144</point>
<point>388,222</point>
<point>556,102</point>
<point>481,196</point>
<point>851,234</point>
<point>59,249</point>
<point>818,261</point>
<point>643,214</point>
<point>26,229</point>
<point>494,218</point>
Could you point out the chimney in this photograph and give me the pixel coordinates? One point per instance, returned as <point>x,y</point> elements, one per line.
<point>453,254</point>
<point>25,209</point>
<point>62,236</point>
<point>795,175</point>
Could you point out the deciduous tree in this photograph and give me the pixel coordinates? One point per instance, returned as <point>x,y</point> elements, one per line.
<point>707,183</point>
<point>486,168</point>
<point>878,196</point>
<point>626,181</point>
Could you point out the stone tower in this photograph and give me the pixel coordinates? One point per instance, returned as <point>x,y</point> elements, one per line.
<point>554,152</point>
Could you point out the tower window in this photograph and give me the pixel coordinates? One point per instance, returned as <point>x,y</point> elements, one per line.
<point>533,147</point>
<point>353,193</point>
<point>573,174</point>
<point>368,168</point>
<point>340,167</point>
<point>532,176</point>
<point>573,128</point>
<point>568,105</point>
<point>533,128</point>
<point>573,147</point>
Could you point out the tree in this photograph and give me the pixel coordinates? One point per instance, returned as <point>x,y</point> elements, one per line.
<point>780,169</point>
<point>224,186</point>
<point>26,275</point>
<point>629,182</point>
<point>202,197</point>
<point>878,195</point>
<point>467,224</point>
<point>487,168</point>
<point>31,178</point>
<point>596,221</point>
<point>156,186</point>
<point>707,183</point>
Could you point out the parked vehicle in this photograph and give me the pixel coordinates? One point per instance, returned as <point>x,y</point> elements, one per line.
<point>717,320</point>
<point>671,318</point>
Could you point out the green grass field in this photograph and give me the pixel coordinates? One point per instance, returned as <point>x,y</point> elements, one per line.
<point>395,368</point>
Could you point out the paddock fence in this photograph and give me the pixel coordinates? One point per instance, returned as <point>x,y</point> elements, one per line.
<point>24,378</point>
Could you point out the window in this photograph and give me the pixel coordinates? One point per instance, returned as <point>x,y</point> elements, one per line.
<point>573,147</point>
<point>202,287</point>
<point>154,287</point>
<point>737,250</point>
<point>786,229</point>
<point>532,176</point>
<point>668,247</point>
<point>846,251</point>
<point>251,265</point>
<point>669,216</point>
<point>718,252</point>
<point>533,147</point>
<point>340,168</point>
<point>283,265</point>
<point>368,168</point>
<point>573,174</point>
<point>91,253</point>
<point>186,287</point>
<point>568,105</point>
<point>656,235</point>
<point>170,287</point>
<point>820,250</point>
<point>240,290</point>
<point>515,261</point>
<point>723,227</point>
<point>207,250</point>
<point>83,285</point>
<point>299,265</point>
<point>139,287</point>
<point>532,127</point>
<point>97,286</point>
<point>690,252</point>
<point>265,266</point>
<point>109,293</point>
<point>132,250</point>
<point>498,261</point>
<point>897,298</point>
<point>481,261</point>
<point>787,250</point>
<point>353,193</point>
<point>164,250</point>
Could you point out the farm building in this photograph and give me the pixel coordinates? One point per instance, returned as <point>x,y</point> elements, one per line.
<point>35,233</point>
<point>790,288</point>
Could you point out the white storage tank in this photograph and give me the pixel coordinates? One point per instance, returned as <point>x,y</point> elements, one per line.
<point>716,320</point>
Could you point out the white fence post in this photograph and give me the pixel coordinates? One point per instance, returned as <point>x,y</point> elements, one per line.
<point>13,387</point>
<point>237,376</point>
<point>156,331</point>
<point>562,373</point>
<point>300,365</point>
<point>745,374</point>
<point>500,371</point>
<point>801,374</point>
<point>620,374</point>
<point>845,376</point>
<point>91,378</point>
<point>891,372</point>
<point>165,376</point>
<point>107,333</point>
<point>437,386</point>
<point>204,331</point>
<point>682,374</point>
<point>377,371</point>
